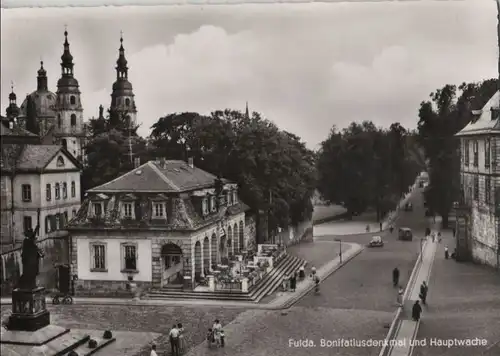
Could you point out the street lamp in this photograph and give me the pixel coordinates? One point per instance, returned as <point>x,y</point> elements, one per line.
<point>340,253</point>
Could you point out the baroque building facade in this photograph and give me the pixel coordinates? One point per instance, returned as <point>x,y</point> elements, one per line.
<point>165,223</point>
<point>478,223</point>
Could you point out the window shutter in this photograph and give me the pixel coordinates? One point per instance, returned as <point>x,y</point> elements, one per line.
<point>47,224</point>
<point>53,226</point>
<point>62,220</point>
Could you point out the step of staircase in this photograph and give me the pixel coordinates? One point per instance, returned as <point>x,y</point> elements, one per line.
<point>286,266</point>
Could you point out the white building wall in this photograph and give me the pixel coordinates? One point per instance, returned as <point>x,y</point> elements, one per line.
<point>114,260</point>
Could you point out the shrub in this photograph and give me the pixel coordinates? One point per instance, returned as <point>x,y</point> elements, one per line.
<point>107,335</point>
<point>92,344</point>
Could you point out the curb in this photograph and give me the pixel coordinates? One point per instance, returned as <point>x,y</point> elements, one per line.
<point>396,320</point>
<point>298,297</point>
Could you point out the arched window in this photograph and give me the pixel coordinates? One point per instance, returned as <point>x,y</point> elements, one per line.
<point>60,161</point>
<point>59,121</point>
<point>127,102</point>
<point>72,100</point>
<point>73,120</point>
<point>65,145</point>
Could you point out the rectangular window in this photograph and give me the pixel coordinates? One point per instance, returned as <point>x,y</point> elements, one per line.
<point>48,192</point>
<point>213,205</point>
<point>487,190</point>
<point>58,191</point>
<point>204,206</point>
<point>97,209</point>
<point>65,218</point>
<point>73,213</point>
<point>476,187</point>
<point>476,154</point>
<point>229,199</point>
<point>158,210</point>
<point>73,189</point>
<point>466,152</point>
<point>129,253</point>
<point>487,153</point>
<point>26,192</point>
<point>27,223</point>
<point>58,221</point>
<point>127,210</point>
<point>65,190</point>
<point>98,251</point>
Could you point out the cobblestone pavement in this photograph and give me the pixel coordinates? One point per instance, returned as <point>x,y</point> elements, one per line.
<point>463,303</point>
<point>140,318</point>
<point>266,333</point>
<point>317,253</point>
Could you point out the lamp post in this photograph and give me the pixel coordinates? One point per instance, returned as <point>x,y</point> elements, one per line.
<point>340,247</point>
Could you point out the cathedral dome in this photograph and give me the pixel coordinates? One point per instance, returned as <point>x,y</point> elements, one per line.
<point>45,102</point>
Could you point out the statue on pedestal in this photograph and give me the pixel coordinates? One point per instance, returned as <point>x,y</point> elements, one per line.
<point>30,256</point>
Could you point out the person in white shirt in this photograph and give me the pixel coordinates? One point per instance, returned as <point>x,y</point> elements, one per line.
<point>174,340</point>
<point>153,351</point>
<point>217,327</point>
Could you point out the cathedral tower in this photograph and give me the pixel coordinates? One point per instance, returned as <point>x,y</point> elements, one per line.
<point>69,128</point>
<point>122,97</point>
<point>12,110</point>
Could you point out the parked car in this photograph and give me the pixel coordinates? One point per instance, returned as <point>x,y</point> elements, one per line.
<point>376,242</point>
<point>405,234</point>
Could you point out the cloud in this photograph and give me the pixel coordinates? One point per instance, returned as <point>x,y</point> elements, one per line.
<point>306,67</point>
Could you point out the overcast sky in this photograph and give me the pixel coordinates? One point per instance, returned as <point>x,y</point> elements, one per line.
<point>306,66</point>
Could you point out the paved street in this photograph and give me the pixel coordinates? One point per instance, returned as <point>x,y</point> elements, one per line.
<point>463,303</point>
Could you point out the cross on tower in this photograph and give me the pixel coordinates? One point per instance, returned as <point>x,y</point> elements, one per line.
<point>12,86</point>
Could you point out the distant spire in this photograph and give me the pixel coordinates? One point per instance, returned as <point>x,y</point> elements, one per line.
<point>12,110</point>
<point>12,95</point>
<point>66,58</point>
<point>247,114</point>
<point>121,63</point>
<point>42,81</point>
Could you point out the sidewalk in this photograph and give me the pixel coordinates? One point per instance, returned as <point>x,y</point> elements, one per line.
<point>408,328</point>
<point>284,300</point>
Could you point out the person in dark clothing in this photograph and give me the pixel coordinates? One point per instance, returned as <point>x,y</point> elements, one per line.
<point>391,229</point>
<point>395,276</point>
<point>416,311</point>
<point>222,339</point>
<point>423,292</point>
<point>293,282</point>
<point>380,226</point>
<point>446,253</point>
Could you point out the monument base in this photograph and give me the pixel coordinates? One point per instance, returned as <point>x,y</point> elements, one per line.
<point>29,311</point>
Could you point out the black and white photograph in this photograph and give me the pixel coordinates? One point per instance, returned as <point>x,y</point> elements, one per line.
<point>227,178</point>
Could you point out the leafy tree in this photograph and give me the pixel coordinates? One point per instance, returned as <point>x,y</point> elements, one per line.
<point>273,168</point>
<point>109,148</point>
<point>440,118</point>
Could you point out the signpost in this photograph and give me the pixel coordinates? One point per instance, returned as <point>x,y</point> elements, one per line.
<point>340,253</point>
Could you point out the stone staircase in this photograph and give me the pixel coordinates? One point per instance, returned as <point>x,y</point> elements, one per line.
<point>267,285</point>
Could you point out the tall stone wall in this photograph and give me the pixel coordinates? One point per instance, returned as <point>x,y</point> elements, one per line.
<point>484,233</point>
<point>56,252</point>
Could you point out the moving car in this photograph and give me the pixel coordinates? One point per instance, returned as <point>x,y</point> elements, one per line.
<point>405,234</point>
<point>376,242</point>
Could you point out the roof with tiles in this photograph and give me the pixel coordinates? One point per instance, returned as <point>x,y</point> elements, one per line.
<point>486,121</point>
<point>160,176</point>
<point>16,130</point>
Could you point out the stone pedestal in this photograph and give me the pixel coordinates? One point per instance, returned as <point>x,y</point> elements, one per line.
<point>29,312</point>
<point>244,285</point>
<point>211,283</point>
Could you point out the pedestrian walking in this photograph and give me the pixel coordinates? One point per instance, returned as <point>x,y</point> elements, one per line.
<point>400,296</point>
<point>316,282</point>
<point>423,292</point>
<point>222,338</point>
<point>454,231</point>
<point>367,228</point>
<point>182,345</point>
<point>439,236</point>
<point>313,271</point>
<point>302,272</point>
<point>416,311</point>
<point>153,351</point>
<point>381,226</point>
<point>395,276</point>
<point>391,229</point>
<point>174,340</point>
<point>217,327</point>
<point>446,252</point>
<point>285,283</point>
<point>293,282</point>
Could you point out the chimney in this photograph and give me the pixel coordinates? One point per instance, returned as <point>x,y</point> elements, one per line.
<point>191,162</point>
<point>137,162</point>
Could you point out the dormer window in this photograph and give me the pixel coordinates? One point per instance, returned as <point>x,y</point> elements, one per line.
<point>97,209</point>
<point>159,210</point>
<point>128,210</point>
<point>229,198</point>
<point>204,206</point>
<point>213,204</point>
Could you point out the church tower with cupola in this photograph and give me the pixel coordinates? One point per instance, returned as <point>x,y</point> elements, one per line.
<point>12,110</point>
<point>69,127</point>
<point>122,97</point>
